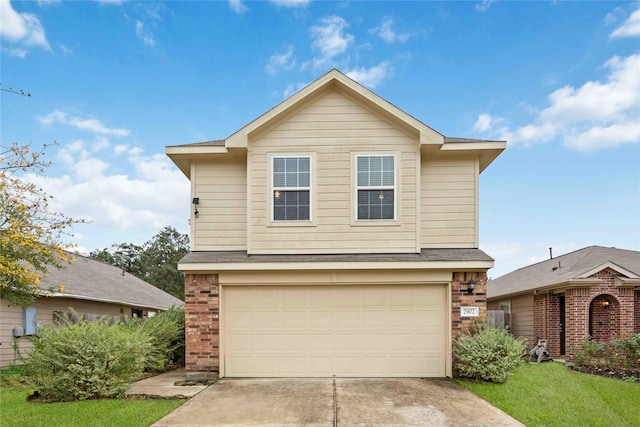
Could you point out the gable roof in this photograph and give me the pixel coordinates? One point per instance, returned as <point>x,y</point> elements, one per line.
<point>92,280</point>
<point>574,268</point>
<point>335,80</point>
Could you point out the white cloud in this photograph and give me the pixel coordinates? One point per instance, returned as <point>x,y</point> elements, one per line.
<point>145,36</point>
<point>293,88</point>
<point>92,125</point>
<point>483,124</point>
<point>629,28</point>
<point>373,76</point>
<point>109,2</point>
<point>238,6</point>
<point>281,61</point>
<point>151,194</point>
<point>330,39</point>
<point>386,32</point>
<point>484,5</point>
<point>594,116</point>
<point>291,3</point>
<point>22,28</point>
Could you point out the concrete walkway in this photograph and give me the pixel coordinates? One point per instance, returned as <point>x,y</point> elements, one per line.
<point>162,386</point>
<point>339,402</point>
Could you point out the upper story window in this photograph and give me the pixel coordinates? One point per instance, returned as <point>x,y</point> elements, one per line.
<point>291,188</point>
<point>376,187</point>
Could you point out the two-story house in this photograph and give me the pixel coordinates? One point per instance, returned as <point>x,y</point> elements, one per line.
<point>335,235</point>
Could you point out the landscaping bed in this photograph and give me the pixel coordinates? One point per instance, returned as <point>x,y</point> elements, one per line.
<point>631,375</point>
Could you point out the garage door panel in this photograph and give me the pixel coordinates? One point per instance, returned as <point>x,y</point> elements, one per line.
<point>334,330</point>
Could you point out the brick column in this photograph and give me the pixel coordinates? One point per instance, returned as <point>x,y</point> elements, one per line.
<point>202,330</point>
<point>460,298</point>
<point>539,318</point>
<point>636,313</point>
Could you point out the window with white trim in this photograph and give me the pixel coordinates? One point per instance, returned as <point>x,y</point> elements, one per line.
<point>291,188</point>
<point>375,187</point>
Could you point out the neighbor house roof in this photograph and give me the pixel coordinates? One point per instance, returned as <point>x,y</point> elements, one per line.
<point>427,258</point>
<point>92,280</point>
<point>572,269</point>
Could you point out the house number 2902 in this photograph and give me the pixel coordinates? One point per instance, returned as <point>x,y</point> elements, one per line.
<point>469,311</point>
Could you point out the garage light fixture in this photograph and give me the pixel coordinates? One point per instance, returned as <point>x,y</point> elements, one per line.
<point>471,285</point>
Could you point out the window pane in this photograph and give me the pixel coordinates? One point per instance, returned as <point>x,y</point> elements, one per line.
<point>304,179</point>
<point>387,178</point>
<point>278,164</point>
<point>375,204</point>
<point>304,164</point>
<point>291,164</point>
<point>291,205</point>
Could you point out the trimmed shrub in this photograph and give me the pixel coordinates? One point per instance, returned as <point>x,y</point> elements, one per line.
<point>617,353</point>
<point>166,332</point>
<point>86,360</point>
<point>488,354</point>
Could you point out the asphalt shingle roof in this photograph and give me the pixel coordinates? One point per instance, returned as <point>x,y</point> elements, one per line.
<point>561,269</point>
<point>94,280</point>
<point>425,255</point>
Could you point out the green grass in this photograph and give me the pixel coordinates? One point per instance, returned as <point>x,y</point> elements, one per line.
<point>16,411</point>
<point>549,394</point>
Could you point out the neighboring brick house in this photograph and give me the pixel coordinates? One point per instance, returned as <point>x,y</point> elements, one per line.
<point>593,292</point>
<point>90,288</point>
<point>335,235</point>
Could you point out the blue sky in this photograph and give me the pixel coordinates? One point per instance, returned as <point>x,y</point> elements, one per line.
<point>114,82</point>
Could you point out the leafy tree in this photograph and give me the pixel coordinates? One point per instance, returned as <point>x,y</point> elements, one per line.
<point>30,232</point>
<point>160,257</point>
<point>155,262</point>
<point>123,255</point>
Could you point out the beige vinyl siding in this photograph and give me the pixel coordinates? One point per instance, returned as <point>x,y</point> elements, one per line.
<point>332,129</point>
<point>448,202</point>
<point>521,315</point>
<point>522,312</point>
<point>13,316</point>
<point>221,186</point>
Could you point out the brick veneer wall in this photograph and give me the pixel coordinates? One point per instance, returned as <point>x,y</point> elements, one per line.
<point>637,311</point>
<point>202,310</point>
<point>584,305</point>
<point>202,326</point>
<point>461,298</point>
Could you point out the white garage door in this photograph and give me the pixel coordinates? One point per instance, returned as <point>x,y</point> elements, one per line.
<point>346,331</point>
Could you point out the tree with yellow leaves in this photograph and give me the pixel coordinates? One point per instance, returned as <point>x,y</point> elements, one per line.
<point>30,233</point>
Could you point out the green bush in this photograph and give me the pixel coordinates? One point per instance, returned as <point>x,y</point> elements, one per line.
<point>614,354</point>
<point>166,332</point>
<point>86,360</point>
<point>488,354</point>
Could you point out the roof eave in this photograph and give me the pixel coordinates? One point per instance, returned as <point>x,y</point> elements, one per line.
<point>182,155</point>
<point>557,287</point>
<point>295,266</point>
<point>107,300</point>
<point>487,151</point>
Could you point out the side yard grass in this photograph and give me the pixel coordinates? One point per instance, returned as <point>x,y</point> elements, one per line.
<point>16,411</point>
<point>549,394</point>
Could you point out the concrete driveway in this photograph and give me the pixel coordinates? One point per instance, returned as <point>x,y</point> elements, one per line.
<point>339,402</point>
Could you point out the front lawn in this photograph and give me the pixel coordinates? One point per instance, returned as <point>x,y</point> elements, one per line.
<point>16,411</point>
<point>549,394</point>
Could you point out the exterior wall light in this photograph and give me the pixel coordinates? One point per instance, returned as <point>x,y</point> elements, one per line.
<point>196,202</point>
<point>605,304</point>
<point>471,285</point>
